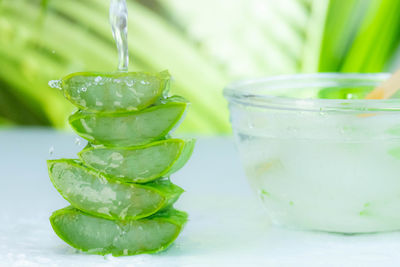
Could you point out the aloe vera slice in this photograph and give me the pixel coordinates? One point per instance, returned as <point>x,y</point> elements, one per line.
<point>139,164</point>
<point>114,92</point>
<point>101,236</point>
<point>95,194</point>
<point>130,128</point>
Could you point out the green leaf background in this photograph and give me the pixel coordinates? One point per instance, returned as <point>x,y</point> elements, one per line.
<point>204,44</point>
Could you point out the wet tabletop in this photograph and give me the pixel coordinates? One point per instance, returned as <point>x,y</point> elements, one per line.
<point>227,226</point>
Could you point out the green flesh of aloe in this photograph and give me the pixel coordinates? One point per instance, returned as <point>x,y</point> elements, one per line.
<point>139,164</point>
<point>121,199</point>
<point>114,92</point>
<point>95,194</point>
<point>130,128</point>
<point>101,236</point>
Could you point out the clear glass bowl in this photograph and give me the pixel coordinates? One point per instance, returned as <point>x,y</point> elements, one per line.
<point>320,164</point>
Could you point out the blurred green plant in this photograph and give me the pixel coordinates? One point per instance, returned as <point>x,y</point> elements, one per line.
<point>365,37</point>
<point>205,44</point>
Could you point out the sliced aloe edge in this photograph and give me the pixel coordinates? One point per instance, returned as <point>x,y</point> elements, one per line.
<point>114,92</point>
<point>186,153</point>
<point>140,164</point>
<point>96,194</point>
<point>97,235</point>
<point>130,128</point>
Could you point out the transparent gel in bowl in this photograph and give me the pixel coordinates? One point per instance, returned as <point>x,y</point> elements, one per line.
<point>317,154</point>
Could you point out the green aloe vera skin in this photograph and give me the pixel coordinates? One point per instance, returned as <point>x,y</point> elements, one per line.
<point>120,238</point>
<point>96,194</point>
<point>114,92</point>
<point>139,164</point>
<point>130,128</point>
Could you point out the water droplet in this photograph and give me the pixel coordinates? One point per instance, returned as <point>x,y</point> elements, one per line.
<point>55,84</point>
<point>130,83</point>
<point>84,89</point>
<point>109,257</point>
<point>51,150</point>
<point>97,79</point>
<point>77,141</point>
<point>118,94</point>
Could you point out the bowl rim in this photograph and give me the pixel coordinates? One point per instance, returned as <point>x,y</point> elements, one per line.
<point>243,92</point>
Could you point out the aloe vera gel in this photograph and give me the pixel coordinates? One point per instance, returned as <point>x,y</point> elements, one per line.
<point>318,155</point>
<point>119,188</point>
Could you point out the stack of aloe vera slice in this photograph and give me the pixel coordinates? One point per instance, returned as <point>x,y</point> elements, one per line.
<point>119,189</point>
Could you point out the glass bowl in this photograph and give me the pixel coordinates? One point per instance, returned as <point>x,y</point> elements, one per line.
<point>318,155</point>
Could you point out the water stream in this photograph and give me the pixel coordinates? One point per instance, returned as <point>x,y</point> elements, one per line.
<point>119,26</point>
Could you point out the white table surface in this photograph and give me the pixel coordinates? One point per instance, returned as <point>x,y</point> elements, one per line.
<point>227,225</point>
